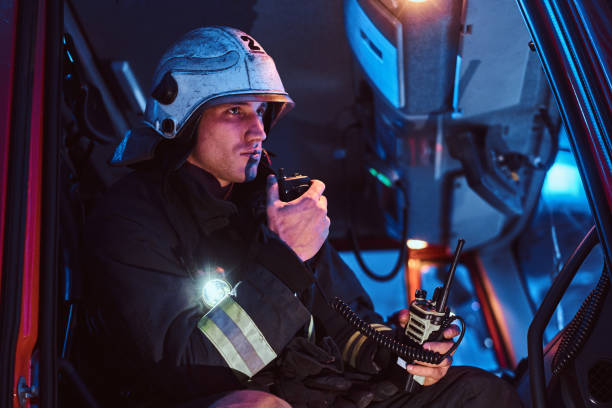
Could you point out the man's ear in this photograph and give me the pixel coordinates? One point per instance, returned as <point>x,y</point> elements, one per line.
<point>269,115</point>
<point>176,151</point>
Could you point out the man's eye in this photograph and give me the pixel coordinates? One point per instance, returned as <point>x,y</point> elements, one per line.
<point>262,109</point>
<point>234,111</point>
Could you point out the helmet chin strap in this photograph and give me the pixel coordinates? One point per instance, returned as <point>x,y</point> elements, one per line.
<point>228,193</point>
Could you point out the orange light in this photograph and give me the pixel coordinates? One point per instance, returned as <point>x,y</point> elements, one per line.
<point>417,1</point>
<point>417,244</point>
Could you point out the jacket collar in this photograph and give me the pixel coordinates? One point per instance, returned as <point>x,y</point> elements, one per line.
<point>207,180</point>
<point>199,192</point>
<point>212,213</point>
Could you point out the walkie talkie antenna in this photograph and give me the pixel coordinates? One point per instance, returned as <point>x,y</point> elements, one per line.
<point>451,273</point>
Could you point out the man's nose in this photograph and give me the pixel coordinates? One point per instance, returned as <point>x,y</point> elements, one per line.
<point>256,130</point>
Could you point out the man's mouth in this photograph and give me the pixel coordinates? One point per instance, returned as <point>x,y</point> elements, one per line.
<point>253,154</point>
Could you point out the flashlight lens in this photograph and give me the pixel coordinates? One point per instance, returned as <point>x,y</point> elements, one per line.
<point>214,290</point>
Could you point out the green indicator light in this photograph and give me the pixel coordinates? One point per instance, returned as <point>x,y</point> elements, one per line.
<point>381,177</point>
<point>384,180</point>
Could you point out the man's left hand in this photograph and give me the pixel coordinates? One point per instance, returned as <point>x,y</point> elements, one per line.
<point>434,372</point>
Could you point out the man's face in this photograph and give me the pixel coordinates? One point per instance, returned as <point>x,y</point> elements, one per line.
<point>229,141</point>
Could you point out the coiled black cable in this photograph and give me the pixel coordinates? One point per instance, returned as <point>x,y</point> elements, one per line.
<point>578,330</point>
<point>407,352</point>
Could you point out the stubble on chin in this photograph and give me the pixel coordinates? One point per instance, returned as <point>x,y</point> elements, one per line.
<point>250,170</point>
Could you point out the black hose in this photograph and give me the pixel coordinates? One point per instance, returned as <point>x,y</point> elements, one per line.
<point>402,250</point>
<point>578,330</point>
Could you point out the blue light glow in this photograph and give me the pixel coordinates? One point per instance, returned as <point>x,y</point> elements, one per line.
<point>456,85</point>
<point>562,179</point>
<point>388,297</point>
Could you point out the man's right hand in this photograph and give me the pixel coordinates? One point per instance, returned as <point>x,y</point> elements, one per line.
<point>303,223</point>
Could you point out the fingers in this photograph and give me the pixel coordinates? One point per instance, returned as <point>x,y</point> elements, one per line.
<point>403,317</point>
<point>272,189</point>
<point>323,203</point>
<point>316,189</point>
<point>438,346</point>
<point>451,331</point>
<point>431,374</point>
<point>447,362</point>
<point>303,223</point>
<point>312,198</point>
<point>444,363</point>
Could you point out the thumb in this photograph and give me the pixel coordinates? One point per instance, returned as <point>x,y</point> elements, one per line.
<point>272,189</point>
<point>403,317</point>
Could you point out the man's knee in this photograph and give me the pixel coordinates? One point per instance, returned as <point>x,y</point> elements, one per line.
<point>479,376</point>
<point>480,384</point>
<point>250,398</point>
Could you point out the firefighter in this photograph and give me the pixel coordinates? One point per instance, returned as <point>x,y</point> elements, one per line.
<point>201,283</point>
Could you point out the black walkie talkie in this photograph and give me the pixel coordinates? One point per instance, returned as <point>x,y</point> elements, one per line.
<point>290,188</point>
<point>430,317</point>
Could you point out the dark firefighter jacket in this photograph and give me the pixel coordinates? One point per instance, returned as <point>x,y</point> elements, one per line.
<point>153,241</point>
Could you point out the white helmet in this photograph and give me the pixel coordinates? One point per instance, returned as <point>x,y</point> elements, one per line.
<point>207,66</point>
